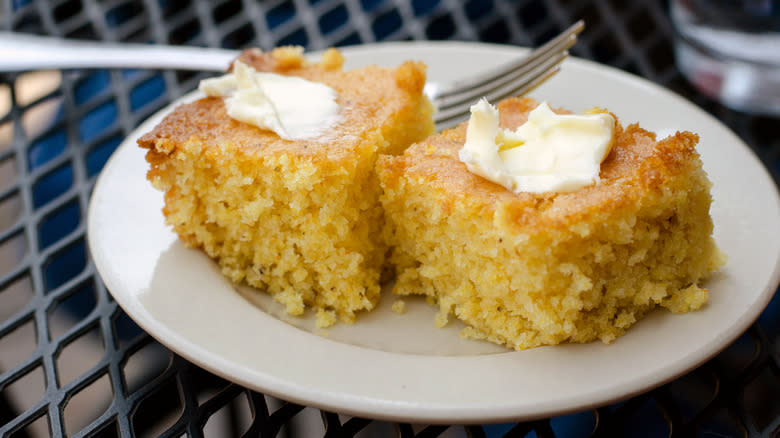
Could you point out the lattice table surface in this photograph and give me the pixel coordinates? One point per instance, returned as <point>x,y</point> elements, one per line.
<point>73,364</point>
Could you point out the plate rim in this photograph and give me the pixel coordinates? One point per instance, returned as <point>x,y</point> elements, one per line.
<point>386,409</point>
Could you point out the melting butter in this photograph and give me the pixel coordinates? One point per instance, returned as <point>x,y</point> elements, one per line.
<point>548,153</point>
<point>292,107</point>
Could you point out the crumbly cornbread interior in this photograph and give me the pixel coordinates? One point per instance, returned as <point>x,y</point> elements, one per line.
<point>525,270</point>
<point>298,219</point>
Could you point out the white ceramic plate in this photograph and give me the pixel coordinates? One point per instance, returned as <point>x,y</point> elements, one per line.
<point>400,367</point>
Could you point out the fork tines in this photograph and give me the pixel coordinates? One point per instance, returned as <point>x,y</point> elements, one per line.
<point>513,79</point>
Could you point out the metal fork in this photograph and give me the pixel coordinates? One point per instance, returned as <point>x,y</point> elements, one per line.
<point>513,79</point>
<point>24,52</point>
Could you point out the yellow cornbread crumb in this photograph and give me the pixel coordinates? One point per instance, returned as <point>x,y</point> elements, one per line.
<point>399,307</point>
<point>525,270</point>
<point>325,318</point>
<point>298,219</point>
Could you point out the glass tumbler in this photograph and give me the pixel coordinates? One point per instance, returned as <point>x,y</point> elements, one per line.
<point>730,50</point>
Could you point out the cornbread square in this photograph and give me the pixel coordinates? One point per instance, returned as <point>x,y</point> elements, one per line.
<point>525,270</point>
<point>300,219</point>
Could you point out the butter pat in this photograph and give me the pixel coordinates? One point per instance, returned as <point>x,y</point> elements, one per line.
<point>292,107</point>
<point>548,153</point>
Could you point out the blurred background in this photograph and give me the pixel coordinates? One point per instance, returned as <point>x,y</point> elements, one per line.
<point>73,364</point>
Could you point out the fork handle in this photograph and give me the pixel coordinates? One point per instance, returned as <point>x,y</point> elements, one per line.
<point>23,52</point>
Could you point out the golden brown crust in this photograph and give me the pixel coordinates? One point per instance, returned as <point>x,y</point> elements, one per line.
<point>637,163</point>
<point>367,97</point>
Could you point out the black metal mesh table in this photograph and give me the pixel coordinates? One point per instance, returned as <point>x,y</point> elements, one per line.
<point>72,363</point>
